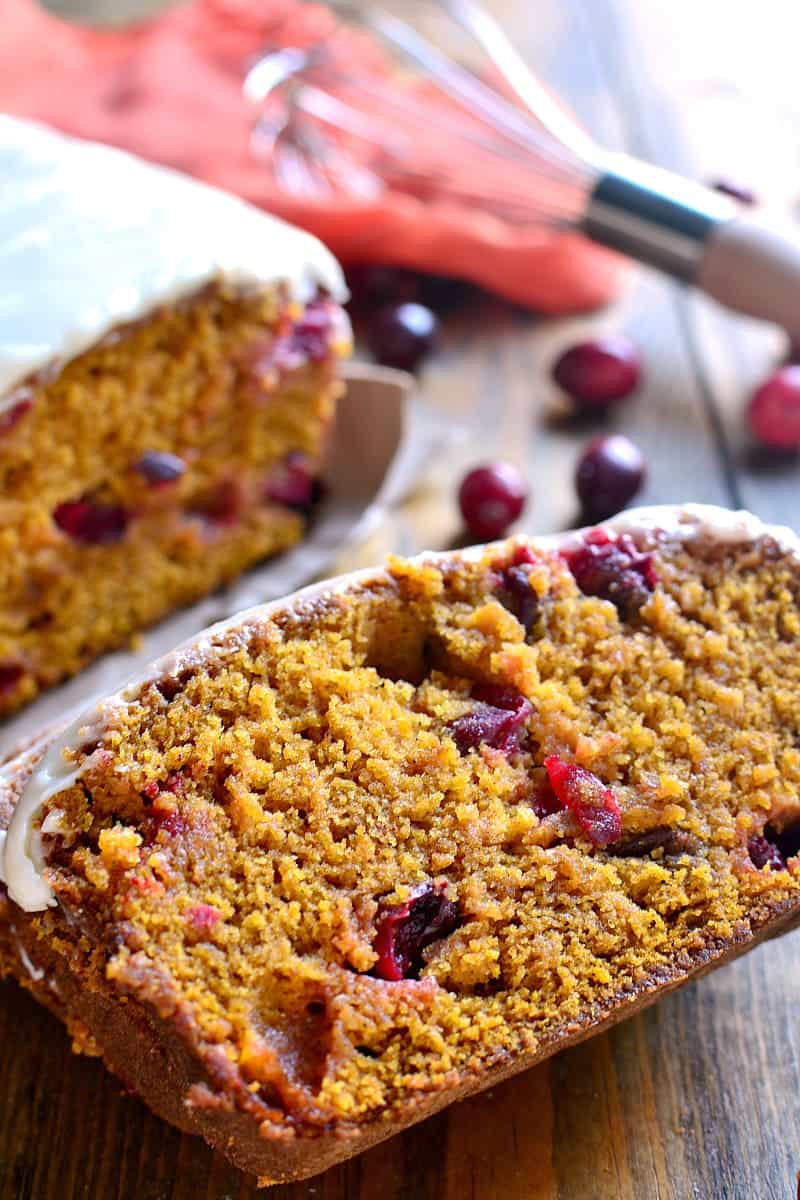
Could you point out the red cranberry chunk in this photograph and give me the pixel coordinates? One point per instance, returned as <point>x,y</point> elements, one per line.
<point>405,930</point>
<point>92,523</point>
<point>545,802</point>
<point>292,345</point>
<point>310,337</point>
<point>307,341</point>
<point>11,673</point>
<point>497,720</point>
<point>291,483</point>
<point>225,504</point>
<point>491,498</point>
<point>593,804</point>
<point>598,372</point>
<point>167,819</point>
<point>13,415</point>
<point>614,570</point>
<point>203,917</point>
<point>160,468</point>
<point>764,853</point>
<point>515,592</point>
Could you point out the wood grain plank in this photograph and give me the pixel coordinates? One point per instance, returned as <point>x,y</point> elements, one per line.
<point>727,111</point>
<point>501,1142</point>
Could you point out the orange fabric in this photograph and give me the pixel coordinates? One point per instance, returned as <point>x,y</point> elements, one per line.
<point>170,90</point>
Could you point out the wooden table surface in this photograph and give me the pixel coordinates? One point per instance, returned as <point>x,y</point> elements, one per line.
<point>699,1096</point>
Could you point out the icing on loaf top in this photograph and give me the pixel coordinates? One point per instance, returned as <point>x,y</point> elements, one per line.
<point>91,237</point>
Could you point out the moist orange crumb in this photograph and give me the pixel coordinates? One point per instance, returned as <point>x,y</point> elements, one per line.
<point>410,829</point>
<point>154,467</point>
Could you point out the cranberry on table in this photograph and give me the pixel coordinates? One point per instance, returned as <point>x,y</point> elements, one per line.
<point>491,498</point>
<point>445,294</point>
<point>774,410</point>
<point>371,285</point>
<point>402,335</point>
<point>599,371</point>
<point>610,472</point>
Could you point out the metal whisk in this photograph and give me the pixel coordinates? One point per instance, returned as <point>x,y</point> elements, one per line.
<point>507,149</point>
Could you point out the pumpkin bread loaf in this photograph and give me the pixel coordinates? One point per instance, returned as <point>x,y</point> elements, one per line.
<point>168,377</point>
<point>359,853</point>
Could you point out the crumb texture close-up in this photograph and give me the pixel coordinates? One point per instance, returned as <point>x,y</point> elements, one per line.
<point>358,850</point>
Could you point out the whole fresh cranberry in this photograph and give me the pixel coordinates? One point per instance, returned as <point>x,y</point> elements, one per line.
<point>609,474</point>
<point>405,930</point>
<point>774,410</point>
<point>92,523</point>
<point>598,372</point>
<point>402,335</point>
<point>445,293</point>
<point>491,498</point>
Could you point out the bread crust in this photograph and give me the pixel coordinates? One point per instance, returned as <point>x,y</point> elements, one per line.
<point>153,1059</point>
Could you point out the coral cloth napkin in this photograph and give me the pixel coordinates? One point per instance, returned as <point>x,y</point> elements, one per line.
<point>170,89</point>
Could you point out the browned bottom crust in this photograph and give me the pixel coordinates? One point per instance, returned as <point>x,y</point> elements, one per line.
<point>151,1059</point>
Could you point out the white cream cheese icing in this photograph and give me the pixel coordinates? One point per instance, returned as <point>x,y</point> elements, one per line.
<point>92,237</point>
<point>21,859</point>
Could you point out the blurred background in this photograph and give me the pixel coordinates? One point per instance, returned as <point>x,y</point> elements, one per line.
<point>703,89</point>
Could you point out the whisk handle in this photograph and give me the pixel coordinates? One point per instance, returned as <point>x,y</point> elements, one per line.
<point>654,216</point>
<point>752,264</point>
<point>748,262</point>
